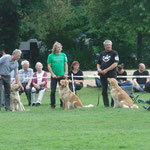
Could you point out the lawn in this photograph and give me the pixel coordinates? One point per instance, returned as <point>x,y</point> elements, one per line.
<point>97,128</point>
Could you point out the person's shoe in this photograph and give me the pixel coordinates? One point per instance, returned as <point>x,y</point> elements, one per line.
<point>141,101</point>
<point>37,104</point>
<point>52,107</point>
<point>29,104</point>
<point>33,104</point>
<point>148,101</point>
<point>8,110</point>
<point>3,105</point>
<point>147,107</point>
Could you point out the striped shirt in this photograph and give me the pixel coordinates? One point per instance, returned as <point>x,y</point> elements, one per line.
<point>24,76</point>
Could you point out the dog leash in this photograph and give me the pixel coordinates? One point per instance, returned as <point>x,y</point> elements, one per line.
<point>98,96</point>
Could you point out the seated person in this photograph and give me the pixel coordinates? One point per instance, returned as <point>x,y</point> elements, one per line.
<point>78,81</point>
<point>139,83</point>
<point>25,78</point>
<point>97,81</point>
<point>122,72</point>
<point>39,83</point>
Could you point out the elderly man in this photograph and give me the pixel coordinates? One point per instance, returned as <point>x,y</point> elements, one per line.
<point>106,66</point>
<point>8,63</point>
<point>25,77</point>
<point>139,83</point>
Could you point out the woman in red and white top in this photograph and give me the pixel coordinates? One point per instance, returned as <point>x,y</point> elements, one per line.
<point>39,83</point>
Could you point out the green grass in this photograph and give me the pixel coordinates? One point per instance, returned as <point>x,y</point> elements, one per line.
<point>95,128</point>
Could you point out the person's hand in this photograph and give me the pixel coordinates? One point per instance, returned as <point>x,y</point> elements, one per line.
<point>122,81</point>
<point>100,71</point>
<point>70,81</point>
<point>65,76</point>
<point>37,86</point>
<point>138,87</point>
<point>54,76</point>
<point>22,88</point>
<point>104,71</point>
<point>0,76</point>
<point>27,86</point>
<point>77,81</point>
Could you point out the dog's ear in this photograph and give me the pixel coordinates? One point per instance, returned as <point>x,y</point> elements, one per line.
<point>66,82</point>
<point>109,80</point>
<point>14,87</point>
<point>113,82</point>
<point>60,82</point>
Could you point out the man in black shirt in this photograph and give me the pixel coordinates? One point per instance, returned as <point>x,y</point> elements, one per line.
<point>106,66</point>
<point>139,83</point>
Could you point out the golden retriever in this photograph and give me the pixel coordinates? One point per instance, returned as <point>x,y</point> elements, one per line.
<point>70,100</point>
<point>15,102</point>
<point>120,97</point>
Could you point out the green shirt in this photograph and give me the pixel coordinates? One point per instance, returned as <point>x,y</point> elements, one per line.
<point>57,62</point>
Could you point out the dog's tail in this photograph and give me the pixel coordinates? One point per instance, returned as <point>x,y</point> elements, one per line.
<point>88,106</point>
<point>134,106</point>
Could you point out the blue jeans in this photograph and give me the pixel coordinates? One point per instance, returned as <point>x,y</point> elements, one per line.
<point>141,88</point>
<point>53,91</point>
<point>98,82</point>
<point>127,83</point>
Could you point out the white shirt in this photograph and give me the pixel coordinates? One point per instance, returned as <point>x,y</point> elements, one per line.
<point>39,77</point>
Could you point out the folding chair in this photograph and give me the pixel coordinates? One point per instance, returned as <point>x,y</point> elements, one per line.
<point>128,90</point>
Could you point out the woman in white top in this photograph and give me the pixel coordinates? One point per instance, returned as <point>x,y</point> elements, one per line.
<point>39,83</point>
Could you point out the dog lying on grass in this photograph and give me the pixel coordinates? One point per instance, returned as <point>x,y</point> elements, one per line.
<point>15,102</point>
<point>70,100</point>
<point>120,97</point>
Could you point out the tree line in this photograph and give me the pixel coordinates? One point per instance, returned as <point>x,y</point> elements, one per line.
<point>125,22</point>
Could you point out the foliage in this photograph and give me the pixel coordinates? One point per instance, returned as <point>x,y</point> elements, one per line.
<point>9,24</point>
<point>124,22</point>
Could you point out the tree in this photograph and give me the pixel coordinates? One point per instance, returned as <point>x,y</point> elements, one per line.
<point>125,22</point>
<point>9,24</point>
<point>58,20</point>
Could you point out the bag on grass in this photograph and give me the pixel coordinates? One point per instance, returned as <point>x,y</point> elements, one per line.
<point>147,87</point>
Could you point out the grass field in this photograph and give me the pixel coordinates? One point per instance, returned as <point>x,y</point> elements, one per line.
<point>95,128</point>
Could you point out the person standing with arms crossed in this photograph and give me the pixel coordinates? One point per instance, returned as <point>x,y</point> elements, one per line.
<point>58,67</point>
<point>106,67</point>
<point>8,63</point>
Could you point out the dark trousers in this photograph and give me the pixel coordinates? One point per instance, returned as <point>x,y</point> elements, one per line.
<point>5,81</point>
<point>104,85</point>
<point>76,86</point>
<point>53,91</point>
<point>27,92</point>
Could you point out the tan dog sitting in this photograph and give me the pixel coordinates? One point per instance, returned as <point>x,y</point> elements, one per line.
<point>15,102</point>
<point>120,97</point>
<point>70,100</point>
